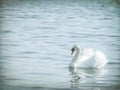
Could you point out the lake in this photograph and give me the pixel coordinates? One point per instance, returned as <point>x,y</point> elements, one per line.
<point>36,37</point>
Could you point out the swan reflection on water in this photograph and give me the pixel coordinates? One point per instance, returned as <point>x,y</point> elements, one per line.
<point>86,75</point>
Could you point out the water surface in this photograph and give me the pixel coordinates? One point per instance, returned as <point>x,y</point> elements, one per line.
<point>36,37</point>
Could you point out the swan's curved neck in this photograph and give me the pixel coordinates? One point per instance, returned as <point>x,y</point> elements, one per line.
<point>74,62</point>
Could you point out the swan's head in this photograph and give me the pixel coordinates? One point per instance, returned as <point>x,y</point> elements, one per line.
<point>75,48</point>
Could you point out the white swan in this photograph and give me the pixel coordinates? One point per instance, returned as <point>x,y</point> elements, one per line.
<point>86,58</point>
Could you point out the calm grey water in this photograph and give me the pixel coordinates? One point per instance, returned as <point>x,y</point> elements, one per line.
<point>36,37</point>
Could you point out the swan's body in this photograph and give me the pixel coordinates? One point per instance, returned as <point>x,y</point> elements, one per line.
<point>88,58</point>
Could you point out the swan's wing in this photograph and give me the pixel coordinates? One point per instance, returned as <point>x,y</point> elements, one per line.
<point>87,57</point>
<point>88,52</point>
<point>92,58</point>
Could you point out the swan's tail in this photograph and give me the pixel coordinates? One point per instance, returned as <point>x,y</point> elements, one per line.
<point>105,62</point>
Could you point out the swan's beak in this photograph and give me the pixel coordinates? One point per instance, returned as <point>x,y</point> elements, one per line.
<point>73,50</point>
